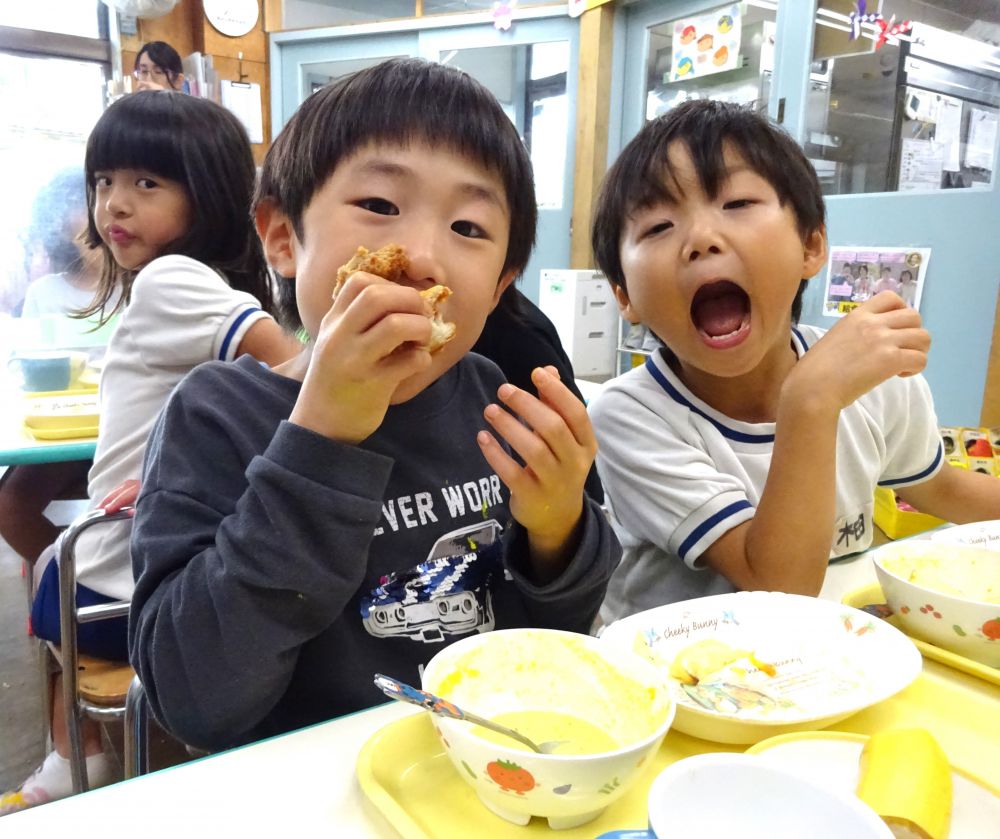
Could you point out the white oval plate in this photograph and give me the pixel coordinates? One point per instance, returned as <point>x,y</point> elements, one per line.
<point>831,660</point>
<point>980,534</point>
<point>831,759</point>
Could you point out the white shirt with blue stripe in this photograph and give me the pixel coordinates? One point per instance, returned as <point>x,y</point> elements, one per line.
<point>678,474</point>
<point>181,313</point>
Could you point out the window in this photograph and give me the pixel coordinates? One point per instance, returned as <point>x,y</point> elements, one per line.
<point>53,89</point>
<point>918,112</point>
<point>69,17</point>
<point>703,42</point>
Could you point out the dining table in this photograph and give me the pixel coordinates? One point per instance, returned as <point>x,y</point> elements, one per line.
<point>304,783</point>
<point>48,333</point>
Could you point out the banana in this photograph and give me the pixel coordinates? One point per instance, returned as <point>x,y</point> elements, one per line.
<point>906,779</point>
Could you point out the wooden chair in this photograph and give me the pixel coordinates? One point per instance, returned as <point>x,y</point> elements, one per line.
<point>92,687</point>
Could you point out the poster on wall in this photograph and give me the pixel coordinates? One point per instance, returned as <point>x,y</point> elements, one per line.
<point>855,274</point>
<point>706,43</point>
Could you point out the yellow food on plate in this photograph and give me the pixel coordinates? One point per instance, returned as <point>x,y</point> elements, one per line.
<point>906,779</point>
<point>703,658</point>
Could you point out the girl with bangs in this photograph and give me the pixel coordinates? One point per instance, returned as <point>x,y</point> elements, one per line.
<point>169,182</point>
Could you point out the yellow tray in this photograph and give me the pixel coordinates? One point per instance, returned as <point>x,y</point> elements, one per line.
<point>833,758</point>
<point>61,415</point>
<point>872,594</point>
<point>82,432</point>
<point>405,772</point>
<point>88,386</point>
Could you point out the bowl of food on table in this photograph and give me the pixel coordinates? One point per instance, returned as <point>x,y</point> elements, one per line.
<point>945,592</point>
<point>750,665</point>
<point>607,711</point>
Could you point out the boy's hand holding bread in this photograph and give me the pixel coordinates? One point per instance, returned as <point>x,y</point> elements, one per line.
<point>376,334</point>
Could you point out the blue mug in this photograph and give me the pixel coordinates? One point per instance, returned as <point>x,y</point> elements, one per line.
<point>48,370</point>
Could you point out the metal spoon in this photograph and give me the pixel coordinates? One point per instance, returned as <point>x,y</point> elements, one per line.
<point>395,689</point>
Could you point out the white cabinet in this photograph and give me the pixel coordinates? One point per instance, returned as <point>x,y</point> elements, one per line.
<point>582,307</point>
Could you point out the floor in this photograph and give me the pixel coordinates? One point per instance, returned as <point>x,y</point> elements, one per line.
<point>22,728</point>
<point>22,744</point>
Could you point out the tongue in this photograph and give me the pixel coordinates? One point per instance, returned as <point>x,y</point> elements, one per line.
<point>720,315</point>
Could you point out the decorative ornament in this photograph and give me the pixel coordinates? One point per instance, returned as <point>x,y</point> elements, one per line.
<point>503,14</point>
<point>890,31</point>
<point>861,15</point>
<point>142,8</point>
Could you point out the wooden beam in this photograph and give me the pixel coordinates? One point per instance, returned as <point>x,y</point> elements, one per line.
<point>274,15</point>
<point>990,416</point>
<point>593,99</point>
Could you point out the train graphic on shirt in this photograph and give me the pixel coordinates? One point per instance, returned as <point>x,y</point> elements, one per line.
<point>447,594</point>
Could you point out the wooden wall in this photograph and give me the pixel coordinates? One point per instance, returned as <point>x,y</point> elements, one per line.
<point>187,30</point>
<point>990,416</point>
<point>592,112</point>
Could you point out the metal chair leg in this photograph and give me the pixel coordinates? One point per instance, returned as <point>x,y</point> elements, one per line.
<point>136,730</point>
<point>68,618</point>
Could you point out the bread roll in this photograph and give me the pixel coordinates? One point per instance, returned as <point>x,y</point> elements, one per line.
<point>390,263</point>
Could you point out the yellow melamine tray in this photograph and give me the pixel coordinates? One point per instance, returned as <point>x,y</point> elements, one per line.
<point>405,772</point>
<point>62,415</point>
<point>872,594</point>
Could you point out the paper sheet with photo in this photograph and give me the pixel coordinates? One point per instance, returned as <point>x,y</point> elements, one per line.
<point>706,43</point>
<point>856,273</point>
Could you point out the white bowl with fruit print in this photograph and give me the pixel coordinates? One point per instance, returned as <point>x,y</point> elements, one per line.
<point>611,709</point>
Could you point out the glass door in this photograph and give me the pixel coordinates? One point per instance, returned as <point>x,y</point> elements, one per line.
<point>708,50</point>
<point>531,69</point>
<point>305,66</point>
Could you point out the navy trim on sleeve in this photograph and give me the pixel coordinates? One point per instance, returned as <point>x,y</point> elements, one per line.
<point>802,340</point>
<point>738,436</point>
<point>232,331</point>
<point>709,523</point>
<point>919,475</point>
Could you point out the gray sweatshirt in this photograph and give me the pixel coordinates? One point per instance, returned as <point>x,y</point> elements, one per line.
<point>277,570</point>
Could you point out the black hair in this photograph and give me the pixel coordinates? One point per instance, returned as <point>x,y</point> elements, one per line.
<point>205,149</point>
<point>397,102</point>
<point>163,56</point>
<point>52,210</point>
<point>905,271</point>
<point>643,174</point>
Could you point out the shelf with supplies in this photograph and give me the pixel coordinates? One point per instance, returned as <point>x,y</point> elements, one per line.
<point>635,344</point>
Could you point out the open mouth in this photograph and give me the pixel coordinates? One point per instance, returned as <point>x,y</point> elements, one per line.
<point>720,312</point>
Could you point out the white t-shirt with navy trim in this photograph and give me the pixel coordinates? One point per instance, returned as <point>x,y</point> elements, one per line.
<point>181,314</point>
<point>678,474</point>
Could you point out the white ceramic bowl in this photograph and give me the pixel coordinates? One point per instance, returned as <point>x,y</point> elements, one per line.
<point>921,581</point>
<point>546,670</point>
<point>741,795</point>
<point>830,661</point>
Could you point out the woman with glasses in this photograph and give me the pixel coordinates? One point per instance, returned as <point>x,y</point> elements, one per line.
<point>158,67</point>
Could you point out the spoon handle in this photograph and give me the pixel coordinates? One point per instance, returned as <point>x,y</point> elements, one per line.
<point>395,689</point>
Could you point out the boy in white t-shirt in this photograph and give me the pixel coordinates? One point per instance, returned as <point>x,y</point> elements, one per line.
<point>745,453</point>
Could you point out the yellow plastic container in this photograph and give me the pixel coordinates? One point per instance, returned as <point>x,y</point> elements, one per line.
<point>896,523</point>
<point>61,415</point>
